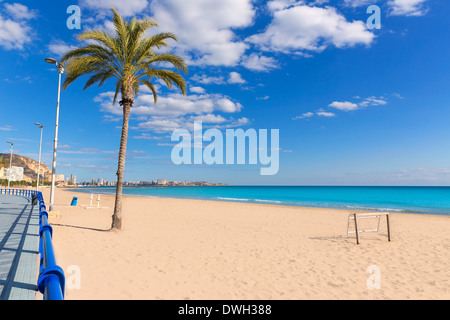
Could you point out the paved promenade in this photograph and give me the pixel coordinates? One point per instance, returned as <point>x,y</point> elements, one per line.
<point>19,241</point>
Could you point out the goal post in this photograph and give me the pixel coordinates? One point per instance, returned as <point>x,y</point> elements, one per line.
<point>354,217</point>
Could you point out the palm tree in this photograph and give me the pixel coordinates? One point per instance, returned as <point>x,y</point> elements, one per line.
<point>130,59</point>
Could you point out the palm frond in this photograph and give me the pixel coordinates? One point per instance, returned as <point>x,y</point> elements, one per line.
<point>152,88</point>
<point>128,55</point>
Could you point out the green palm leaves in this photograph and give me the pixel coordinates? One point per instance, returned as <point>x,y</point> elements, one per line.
<point>128,57</point>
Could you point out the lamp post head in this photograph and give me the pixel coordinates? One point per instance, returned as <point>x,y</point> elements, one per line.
<point>51,61</point>
<point>59,66</point>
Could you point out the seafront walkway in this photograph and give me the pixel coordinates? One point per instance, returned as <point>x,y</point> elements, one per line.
<point>19,248</point>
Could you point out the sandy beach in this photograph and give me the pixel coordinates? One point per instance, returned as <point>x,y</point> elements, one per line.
<point>195,249</point>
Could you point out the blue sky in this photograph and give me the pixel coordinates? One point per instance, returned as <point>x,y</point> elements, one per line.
<point>354,106</point>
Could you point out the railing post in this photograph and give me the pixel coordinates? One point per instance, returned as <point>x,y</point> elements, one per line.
<point>51,281</point>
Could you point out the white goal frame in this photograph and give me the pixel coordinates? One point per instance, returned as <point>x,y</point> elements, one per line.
<point>371,215</point>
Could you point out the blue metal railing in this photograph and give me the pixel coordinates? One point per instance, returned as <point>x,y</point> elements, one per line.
<point>51,280</point>
<point>18,192</point>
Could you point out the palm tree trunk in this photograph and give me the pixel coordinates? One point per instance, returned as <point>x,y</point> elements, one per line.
<point>117,216</point>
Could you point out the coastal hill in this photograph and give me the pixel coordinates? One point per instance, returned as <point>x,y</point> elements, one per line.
<point>30,166</point>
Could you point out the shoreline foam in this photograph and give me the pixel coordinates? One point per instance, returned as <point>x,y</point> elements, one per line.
<point>361,208</point>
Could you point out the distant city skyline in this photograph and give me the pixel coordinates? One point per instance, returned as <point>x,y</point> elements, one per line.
<point>353,105</point>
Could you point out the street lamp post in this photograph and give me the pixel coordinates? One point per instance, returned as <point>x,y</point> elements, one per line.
<point>60,68</point>
<point>39,164</point>
<point>10,164</point>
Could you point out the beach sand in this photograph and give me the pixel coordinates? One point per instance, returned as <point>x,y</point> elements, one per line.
<point>195,249</point>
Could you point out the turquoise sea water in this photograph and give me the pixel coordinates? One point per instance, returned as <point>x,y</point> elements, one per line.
<point>420,200</point>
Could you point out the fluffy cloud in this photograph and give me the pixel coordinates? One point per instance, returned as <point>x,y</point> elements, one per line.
<point>407,7</point>
<point>59,47</point>
<point>344,106</point>
<point>327,114</point>
<point>203,78</point>
<point>15,31</point>
<point>235,78</point>
<point>175,111</point>
<point>204,28</point>
<point>365,102</point>
<point>359,3</point>
<point>197,89</point>
<point>298,28</point>
<point>19,11</point>
<point>169,125</point>
<point>373,101</point>
<point>319,113</point>
<point>258,62</point>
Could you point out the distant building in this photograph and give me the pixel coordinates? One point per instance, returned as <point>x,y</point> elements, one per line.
<point>59,177</point>
<point>162,182</point>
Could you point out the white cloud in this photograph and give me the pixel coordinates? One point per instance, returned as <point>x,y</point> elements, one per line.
<point>178,105</point>
<point>258,62</point>
<point>325,114</point>
<point>304,115</point>
<point>320,113</point>
<point>344,106</point>
<point>161,125</point>
<point>15,31</point>
<point>407,7</point>
<point>235,78</point>
<point>203,78</point>
<point>366,102</point>
<point>19,11</point>
<point>146,136</point>
<point>6,128</point>
<point>205,28</point>
<point>359,3</point>
<point>59,47</point>
<point>373,101</point>
<point>197,90</point>
<point>126,8</point>
<point>228,106</point>
<point>276,5</point>
<point>299,28</point>
<point>398,96</point>
<point>169,125</point>
<point>209,118</point>
<point>175,110</point>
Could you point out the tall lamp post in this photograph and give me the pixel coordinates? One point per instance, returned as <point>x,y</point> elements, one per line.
<point>40,148</point>
<point>10,163</point>
<point>60,68</point>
